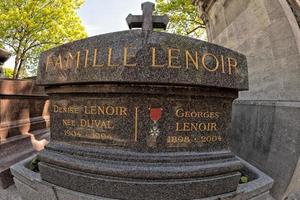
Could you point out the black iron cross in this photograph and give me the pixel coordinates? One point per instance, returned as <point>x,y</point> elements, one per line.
<point>147,21</point>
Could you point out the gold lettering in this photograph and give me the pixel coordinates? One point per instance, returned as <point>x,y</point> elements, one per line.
<point>109,61</point>
<point>91,123</point>
<point>193,114</point>
<point>204,63</point>
<point>188,126</point>
<point>172,139</point>
<point>186,139</point>
<point>126,56</point>
<point>93,110</point>
<point>194,60</point>
<point>47,62</point>
<point>70,60</point>
<point>55,108</point>
<point>86,57</point>
<point>230,64</point>
<point>83,122</point>
<point>213,126</point>
<point>202,126</point>
<point>194,127</point>
<point>222,64</point>
<point>177,126</point>
<point>210,138</point>
<point>179,113</point>
<point>72,133</point>
<point>110,110</point>
<point>68,109</point>
<point>95,59</point>
<point>105,110</point>
<point>58,62</point>
<point>187,114</point>
<point>110,125</point>
<point>154,59</point>
<point>123,111</point>
<point>68,122</point>
<point>171,57</point>
<point>196,114</point>
<point>178,139</point>
<point>100,136</point>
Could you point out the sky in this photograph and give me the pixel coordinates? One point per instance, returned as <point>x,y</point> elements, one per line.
<point>104,16</point>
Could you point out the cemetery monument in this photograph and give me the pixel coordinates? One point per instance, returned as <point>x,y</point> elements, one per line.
<point>141,114</point>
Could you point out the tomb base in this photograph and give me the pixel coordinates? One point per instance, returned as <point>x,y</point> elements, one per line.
<point>135,175</point>
<point>31,186</point>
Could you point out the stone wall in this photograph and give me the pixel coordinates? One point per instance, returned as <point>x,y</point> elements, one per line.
<point>266,118</point>
<point>23,107</point>
<point>267,32</point>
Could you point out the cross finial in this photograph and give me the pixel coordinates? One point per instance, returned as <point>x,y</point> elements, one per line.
<point>147,21</point>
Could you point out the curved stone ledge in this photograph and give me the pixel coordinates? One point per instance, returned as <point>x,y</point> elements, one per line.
<point>31,186</point>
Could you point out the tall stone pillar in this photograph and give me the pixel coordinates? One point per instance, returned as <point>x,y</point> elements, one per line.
<point>266,118</point>
<point>4,56</point>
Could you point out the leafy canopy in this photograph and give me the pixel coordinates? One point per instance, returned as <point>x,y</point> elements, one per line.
<point>8,73</point>
<point>184,19</point>
<point>28,27</point>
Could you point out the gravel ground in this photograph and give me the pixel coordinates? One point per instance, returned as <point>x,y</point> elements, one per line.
<point>9,193</point>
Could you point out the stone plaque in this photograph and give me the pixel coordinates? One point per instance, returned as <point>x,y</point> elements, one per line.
<point>157,124</point>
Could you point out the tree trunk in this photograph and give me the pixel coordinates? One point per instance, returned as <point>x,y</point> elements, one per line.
<point>19,68</point>
<point>17,61</point>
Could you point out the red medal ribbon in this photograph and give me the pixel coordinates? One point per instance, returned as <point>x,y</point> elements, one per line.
<point>155,114</point>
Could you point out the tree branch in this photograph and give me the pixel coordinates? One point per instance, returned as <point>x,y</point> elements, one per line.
<point>193,30</point>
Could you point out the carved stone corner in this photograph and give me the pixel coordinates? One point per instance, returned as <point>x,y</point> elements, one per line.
<point>204,5</point>
<point>203,8</point>
<point>295,7</point>
<point>4,55</point>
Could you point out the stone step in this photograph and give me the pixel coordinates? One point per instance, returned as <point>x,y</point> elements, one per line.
<point>15,149</point>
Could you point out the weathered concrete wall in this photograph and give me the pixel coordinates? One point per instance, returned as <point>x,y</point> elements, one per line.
<point>265,118</point>
<point>267,135</point>
<point>267,32</point>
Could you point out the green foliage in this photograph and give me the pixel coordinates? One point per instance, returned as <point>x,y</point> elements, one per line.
<point>184,19</point>
<point>29,27</point>
<point>8,72</point>
<point>244,179</point>
<point>34,165</point>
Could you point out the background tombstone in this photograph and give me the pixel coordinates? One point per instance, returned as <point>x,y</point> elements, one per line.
<point>24,123</point>
<point>24,120</point>
<point>265,118</point>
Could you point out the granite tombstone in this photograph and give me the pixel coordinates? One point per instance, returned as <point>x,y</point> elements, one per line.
<point>141,114</point>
